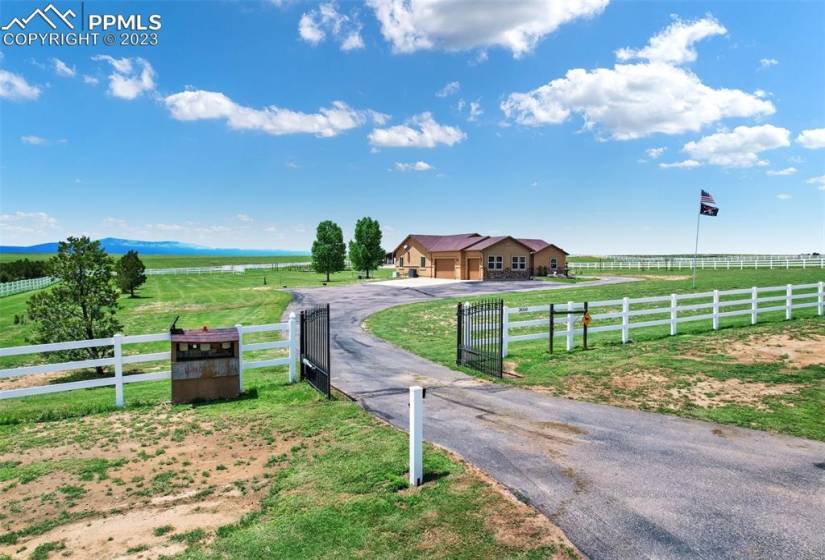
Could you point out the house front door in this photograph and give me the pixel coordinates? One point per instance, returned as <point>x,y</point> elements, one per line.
<point>474,269</point>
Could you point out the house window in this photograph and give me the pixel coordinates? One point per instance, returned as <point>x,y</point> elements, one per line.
<point>401,262</point>
<point>554,263</point>
<point>423,262</point>
<point>495,263</point>
<point>519,263</point>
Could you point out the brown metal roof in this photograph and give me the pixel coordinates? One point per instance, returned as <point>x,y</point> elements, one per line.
<point>435,243</point>
<point>535,244</point>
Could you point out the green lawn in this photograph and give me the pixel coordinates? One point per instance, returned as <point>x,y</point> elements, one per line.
<point>725,376</point>
<point>173,261</point>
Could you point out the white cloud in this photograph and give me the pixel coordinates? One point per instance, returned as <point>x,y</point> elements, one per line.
<point>16,88</point>
<point>448,89</point>
<point>686,164</point>
<point>63,69</point>
<point>115,223</point>
<point>635,100</point>
<point>26,222</point>
<point>783,196</point>
<point>417,166</point>
<point>813,138</point>
<point>817,181</point>
<point>315,25</point>
<point>475,111</point>
<point>768,62</point>
<point>412,25</point>
<point>34,140</point>
<point>739,148</point>
<point>674,45</point>
<point>781,172</point>
<point>331,121</point>
<point>421,131</point>
<point>131,76</point>
<point>655,153</point>
<point>244,218</point>
<point>91,80</point>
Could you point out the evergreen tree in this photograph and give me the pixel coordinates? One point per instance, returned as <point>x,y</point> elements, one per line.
<point>130,273</point>
<point>328,249</point>
<point>365,250</point>
<point>82,305</point>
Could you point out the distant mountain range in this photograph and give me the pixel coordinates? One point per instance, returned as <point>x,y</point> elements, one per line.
<point>117,246</point>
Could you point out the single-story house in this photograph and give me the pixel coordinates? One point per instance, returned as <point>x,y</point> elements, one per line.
<point>471,256</point>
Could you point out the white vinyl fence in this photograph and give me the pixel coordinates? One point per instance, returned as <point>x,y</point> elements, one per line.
<point>18,286</point>
<point>705,263</point>
<point>619,314</point>
<point>304,266</point>
<point>118,360</point>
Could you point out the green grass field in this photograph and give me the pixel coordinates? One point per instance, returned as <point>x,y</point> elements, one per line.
<point>173,261</point>
<point>725,376</point>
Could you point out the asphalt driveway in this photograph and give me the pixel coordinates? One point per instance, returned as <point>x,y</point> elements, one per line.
<point>620,483</point>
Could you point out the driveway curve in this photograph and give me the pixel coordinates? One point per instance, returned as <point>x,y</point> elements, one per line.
<point>621,483</point>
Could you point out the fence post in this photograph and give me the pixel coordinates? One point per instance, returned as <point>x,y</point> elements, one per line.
<point>789,302</point>
<point>570,306</point>
<point>674,307</point>
<point>293,354</point>
<point>754,305</point>
<point>625,320</point>
<point>820,298</point>
<point>505,331</point>
<point>118,347</point>
<point>240,355</point>
<point>716,310</point>
<point>416,433</point>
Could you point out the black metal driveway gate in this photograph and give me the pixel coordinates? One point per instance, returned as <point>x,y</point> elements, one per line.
<point>315,347</point>
<point>480,336</point>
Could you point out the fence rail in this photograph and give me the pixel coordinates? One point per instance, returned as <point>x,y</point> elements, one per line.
<point>733,263</point>
<point>302,266</point>
<point>117,360</point>
<point>619,313</point>
<point>18,286</point>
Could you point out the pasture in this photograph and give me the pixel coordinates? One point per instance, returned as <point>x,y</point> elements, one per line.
<point>771,376</point>
<point>174,261</point>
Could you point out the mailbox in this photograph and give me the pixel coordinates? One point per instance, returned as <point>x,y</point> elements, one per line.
<point>205,364</point>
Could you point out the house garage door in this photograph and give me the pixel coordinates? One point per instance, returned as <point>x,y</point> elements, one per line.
<point>445,268</point>
<point>474,269</point>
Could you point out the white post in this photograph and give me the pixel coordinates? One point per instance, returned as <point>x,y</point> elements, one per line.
<point>570,305</point>
<point>754,305</point>
<point>505,332</point>
<point>293,352</point>
<point>673,314</point>
<point>118,341</point>
<point>788,302</point>
<point>416,434</point>
<point>626,320</point>
<point>240,355</point>
<point>716,310</point>
<point>820,298</point>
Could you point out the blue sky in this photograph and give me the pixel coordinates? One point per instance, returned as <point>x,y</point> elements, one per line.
<point>590,124</point>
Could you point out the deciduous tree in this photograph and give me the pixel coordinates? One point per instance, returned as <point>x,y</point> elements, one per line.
<point>328,249</point>
<point>365,251</point>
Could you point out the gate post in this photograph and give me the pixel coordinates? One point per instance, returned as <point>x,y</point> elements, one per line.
<point>416,433</point>
<point>674,310</point>
<point>789,302</point>
<point>459,321</point>
<point>505,331</point>
<point>240,356</point>
<point>625,320</point>
<point>754,305</point>
<point>570,305</point>
<point>293,331</point>
<point>715,318</point>
<point>118,351</point>
<point>820,301</point>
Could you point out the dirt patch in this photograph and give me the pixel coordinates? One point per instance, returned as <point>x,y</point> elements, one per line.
<point>712,393</point>
<point>795,352</point>
<point>164,469</point>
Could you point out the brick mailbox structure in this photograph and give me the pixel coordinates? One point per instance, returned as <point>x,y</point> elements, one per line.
<point>205,365</point>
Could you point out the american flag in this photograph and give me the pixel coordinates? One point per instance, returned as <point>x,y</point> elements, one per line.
<point>706,198</point>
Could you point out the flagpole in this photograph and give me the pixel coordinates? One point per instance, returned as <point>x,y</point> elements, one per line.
<point>696,247</point>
